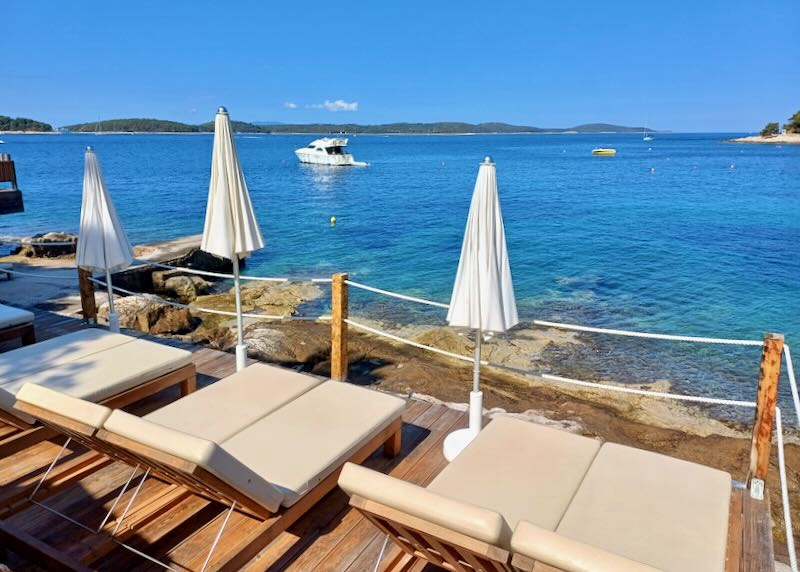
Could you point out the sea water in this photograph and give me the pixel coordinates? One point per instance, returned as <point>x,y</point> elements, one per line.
<point>684,234</point>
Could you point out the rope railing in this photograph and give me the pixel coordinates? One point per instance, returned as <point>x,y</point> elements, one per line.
<point>6,241</point>
<point>37,275</point>
<point>396,295</point>
<point>787,512</point>
<point>209,273</point>
<point>632,334</point>
<point>160,300</point>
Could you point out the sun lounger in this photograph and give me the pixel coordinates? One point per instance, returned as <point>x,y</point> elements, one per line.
<point>91,364</point>
<point>16,323</point>
<point>572,504</point>
<point>274,466</point>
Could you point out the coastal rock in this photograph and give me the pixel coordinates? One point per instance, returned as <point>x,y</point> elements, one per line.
<point>150,316</point>
<point>286,344</point>
<point>48,245</point>
<point>176,284</point>
<point>270,298</point>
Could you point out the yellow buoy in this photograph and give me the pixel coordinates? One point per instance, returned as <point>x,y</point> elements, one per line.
<point>333,221</point>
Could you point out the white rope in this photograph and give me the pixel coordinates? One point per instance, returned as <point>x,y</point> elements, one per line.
<point>631,334</point>
<point>37,275</point>
<point>787,512</point>
<point>787,355</point>
<point>396,295</point>
<point>644,392</point>
<point>213,274</point>
<point>411,343</point>
<point>160,300</point>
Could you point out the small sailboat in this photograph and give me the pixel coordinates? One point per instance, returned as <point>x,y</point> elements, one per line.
<point>646,134</point>
<point>604,152</point>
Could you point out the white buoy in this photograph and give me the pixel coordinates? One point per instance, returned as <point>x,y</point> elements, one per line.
<point>333,221</point>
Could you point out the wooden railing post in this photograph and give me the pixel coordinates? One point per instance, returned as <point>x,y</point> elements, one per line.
<point>339,327</point>
<point>765,409</point>
<point>88,304</point>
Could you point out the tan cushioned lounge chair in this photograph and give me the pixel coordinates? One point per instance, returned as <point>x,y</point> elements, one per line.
<point>279,458</point>
<point>221,409</point>
<point>654,509</point>
<point>623,510</point>
<point>11,316</point>
<point>53,352</point>
<point>500,471</point>
<point>102,374</point>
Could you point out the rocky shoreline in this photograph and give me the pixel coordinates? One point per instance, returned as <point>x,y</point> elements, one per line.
<point>781,139</point>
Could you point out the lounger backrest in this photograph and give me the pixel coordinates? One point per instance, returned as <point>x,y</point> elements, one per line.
<point>200,465</point>
<point>76,418</point>
<point>429,525</point>
<point>532,543</point>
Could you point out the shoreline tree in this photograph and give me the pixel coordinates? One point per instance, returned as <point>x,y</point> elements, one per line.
<point>794,124</point>
<point>770,130</point>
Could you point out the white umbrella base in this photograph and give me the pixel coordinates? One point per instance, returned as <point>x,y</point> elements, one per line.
<point>241,356</point>
<point>113,322</point>
<point>456,441</point>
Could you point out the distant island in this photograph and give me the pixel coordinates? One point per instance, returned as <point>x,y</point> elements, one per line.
<point>23,125</point>
<point>438,128</point>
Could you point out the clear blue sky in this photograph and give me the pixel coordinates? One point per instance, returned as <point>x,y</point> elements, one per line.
<point>686,65</point>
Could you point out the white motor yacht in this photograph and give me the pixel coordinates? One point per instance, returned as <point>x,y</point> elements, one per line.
<point>328,151</point>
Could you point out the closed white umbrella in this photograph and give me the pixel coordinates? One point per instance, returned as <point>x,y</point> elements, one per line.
<point>102,243</point>
<point>231,230</point>
<point>483,294</point>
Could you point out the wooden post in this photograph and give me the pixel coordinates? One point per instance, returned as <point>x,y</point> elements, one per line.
<point>88,304</point>
<point>339,327</point>
<point>765,406</point>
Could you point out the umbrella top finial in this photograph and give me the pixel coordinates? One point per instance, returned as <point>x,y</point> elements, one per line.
<point>89,148</point>
<point>221,109</point>
<point>488,160</point>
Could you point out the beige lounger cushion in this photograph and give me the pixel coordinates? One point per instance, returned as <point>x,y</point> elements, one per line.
<point>304,441</point>
<point>523,470</point>
<point>54,352</point>
<point>85,412</point>
<point>102,374</point>
<point>570,555</point>
<point>668,513</point>
<point>201,452</point>
<point>220,410</point>
<point>11,316</point>
<point>473,521</point>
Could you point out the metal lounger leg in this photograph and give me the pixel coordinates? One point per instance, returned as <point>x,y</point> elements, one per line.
<point>49,469</point>
<point>219,535</point>
<point>130,502</point>
<point>116,501</point>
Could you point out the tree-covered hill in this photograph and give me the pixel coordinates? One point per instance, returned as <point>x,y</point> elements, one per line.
<point>135,125</point>
<point>23,124</point>
<point>438,128</point>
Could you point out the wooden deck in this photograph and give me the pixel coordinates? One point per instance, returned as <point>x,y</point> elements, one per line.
<point>177,527</point>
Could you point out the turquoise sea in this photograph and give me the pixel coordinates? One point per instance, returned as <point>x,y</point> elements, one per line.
<point>684,234</point>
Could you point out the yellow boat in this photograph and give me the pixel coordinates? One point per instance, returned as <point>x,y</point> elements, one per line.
<point>601,151</point>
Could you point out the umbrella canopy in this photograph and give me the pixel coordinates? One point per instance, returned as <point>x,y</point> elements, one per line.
<point>102,245</point>
<point>231,229</point>
<point>483,295</point>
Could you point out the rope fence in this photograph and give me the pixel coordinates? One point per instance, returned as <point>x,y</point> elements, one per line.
<point>395,294</point>
<point>39,276</point>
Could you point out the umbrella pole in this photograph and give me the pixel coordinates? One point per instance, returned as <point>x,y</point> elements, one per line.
<point>241,349</point>
<point>113,319</point>
<point>476,396</point>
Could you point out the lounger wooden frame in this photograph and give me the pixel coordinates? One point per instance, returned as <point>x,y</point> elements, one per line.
<point>421,541</point>
<point>194,479</point>
<point>25,332</point>
<point>30,434</point>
